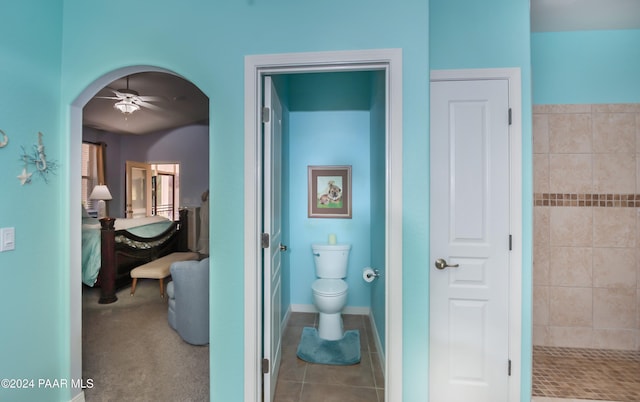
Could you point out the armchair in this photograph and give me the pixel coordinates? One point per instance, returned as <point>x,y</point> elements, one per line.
<point>188,293</point>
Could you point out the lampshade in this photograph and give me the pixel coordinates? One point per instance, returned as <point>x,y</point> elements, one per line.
<point>100,192</point>
<point>126,106</point>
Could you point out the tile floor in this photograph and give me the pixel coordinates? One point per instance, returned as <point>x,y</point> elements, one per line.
<point>590,374</point>
<point>299,381</point>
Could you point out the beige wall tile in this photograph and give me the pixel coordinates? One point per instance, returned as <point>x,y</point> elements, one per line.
<point>616,108</point>
<point>614,132</point>
<point>540,173</point>
<point>540,134</point>
<point>570,266</point>
<point>575,337</point>
<point>614,308</point>
<point>637,132</point>
<point>571,226</point>
<point>614,173</point>
<point>570,108</point>
<point>540,305</point>
<point>541,245</point>
<point>570,306</point>
<point>570,173</point>
<point>614,227</point>
<point>621,339</point>
<point>637,173</point>
<point>540,335</point>
<point>614,267</point>
<point>570,133</point>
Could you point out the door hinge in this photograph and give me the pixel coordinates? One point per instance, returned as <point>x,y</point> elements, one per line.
<point>264,240</point>
<point>510,119</point>
<point>265,366</point>
<point>509,369</point>
<point>510,242</point>
<point>266,114</point>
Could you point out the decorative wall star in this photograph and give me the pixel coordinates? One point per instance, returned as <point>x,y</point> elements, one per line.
<point>25,177</point>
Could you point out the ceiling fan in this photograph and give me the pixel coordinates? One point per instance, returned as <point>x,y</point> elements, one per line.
<point>129,101</point>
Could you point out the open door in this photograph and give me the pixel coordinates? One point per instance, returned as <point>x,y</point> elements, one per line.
<point>272,237</point>
<point>138,189</point>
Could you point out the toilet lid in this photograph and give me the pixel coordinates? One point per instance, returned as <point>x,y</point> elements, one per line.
<point>329,287</point>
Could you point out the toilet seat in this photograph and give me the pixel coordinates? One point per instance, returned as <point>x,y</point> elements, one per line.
<point>329,287</point>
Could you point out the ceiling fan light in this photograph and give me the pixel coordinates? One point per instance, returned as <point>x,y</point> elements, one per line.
<point>126,106</point>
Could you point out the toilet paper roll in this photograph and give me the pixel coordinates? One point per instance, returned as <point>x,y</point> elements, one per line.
<point>368,275</point>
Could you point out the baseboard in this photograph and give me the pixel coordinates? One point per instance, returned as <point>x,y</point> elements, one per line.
<point>310,308</point>
<point>78,398</point>
<point>374,330</point>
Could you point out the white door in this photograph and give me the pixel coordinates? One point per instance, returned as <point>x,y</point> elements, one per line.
<point>272,294</point>
<point>138,189</point>
<point>469,231</point>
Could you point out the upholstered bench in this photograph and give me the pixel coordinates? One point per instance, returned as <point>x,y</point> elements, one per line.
<point>159,269</point>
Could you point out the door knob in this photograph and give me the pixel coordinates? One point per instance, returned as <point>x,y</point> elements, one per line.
<point>441,263</point>
<point>283,247</point>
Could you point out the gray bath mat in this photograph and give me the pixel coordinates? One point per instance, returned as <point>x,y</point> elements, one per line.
<point>343,352</point>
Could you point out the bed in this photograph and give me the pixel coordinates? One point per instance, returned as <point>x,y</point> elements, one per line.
<point>111,248</point>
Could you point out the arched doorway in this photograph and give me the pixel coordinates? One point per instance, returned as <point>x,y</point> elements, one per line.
<point>75,190</point>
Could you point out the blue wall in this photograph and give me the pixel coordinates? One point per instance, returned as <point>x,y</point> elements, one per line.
<point>335,118</point>
<point>329,138</point>
<point>586,67</point>
<point>378,202</point>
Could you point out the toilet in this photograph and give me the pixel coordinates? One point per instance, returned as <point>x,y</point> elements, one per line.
<point>330,289</point>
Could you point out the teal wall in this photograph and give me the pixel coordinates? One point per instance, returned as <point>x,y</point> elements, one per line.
<point>495,35</point>
<point>208,48</point>
<point>378,203</point>
<point>586,67</point>
<point>45,68</point>
<point>33,309</point>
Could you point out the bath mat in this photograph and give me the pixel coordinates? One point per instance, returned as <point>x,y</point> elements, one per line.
<point>343,352</point>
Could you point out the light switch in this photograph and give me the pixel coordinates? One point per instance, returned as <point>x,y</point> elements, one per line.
<point>7,239</point>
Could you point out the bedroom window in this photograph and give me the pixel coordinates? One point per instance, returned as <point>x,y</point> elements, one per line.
<point>92,167</point>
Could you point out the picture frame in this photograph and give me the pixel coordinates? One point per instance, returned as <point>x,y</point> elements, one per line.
<point>329,191</point>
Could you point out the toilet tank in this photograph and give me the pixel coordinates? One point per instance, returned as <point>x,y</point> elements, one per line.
<point>331,260</point>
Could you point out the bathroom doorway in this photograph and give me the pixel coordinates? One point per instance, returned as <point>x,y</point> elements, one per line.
<point>385,64</point>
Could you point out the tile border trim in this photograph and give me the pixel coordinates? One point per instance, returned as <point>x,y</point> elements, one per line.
<point>586,200</point>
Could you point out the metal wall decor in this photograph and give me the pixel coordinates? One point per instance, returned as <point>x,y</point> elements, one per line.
<point>5,139</point>
<point>38,159</point>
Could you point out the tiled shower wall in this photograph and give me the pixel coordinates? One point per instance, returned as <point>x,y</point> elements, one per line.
<point>587,226</point>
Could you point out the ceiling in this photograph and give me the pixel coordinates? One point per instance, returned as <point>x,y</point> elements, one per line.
<point>183,103</point>
<point>584,15</point>
<point>179,103</point>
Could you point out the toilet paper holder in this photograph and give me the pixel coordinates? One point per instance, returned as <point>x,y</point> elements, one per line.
<point>372,274</point>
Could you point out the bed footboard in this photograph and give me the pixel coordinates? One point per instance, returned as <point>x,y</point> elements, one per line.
<point>121,251</point>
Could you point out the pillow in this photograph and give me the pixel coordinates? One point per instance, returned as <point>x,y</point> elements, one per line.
<point>85,214</point>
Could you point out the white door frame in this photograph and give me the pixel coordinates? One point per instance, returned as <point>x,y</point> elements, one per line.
<point>390,61</point>
<point>515,206</point>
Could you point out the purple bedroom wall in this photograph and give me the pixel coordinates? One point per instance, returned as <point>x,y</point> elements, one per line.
<point>188,146</point>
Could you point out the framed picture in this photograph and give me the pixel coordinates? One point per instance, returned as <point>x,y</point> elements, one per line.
<point>329,191</point>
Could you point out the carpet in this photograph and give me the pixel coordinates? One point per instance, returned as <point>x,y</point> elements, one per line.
<point>342,352</point>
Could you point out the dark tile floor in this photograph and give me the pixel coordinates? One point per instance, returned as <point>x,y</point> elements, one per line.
<point>593,374</point>
<point>299,381</point>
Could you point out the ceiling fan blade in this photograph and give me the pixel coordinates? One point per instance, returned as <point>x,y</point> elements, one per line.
<point>152,98</point>
<point>107,97</point>
<point>148,105</point>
